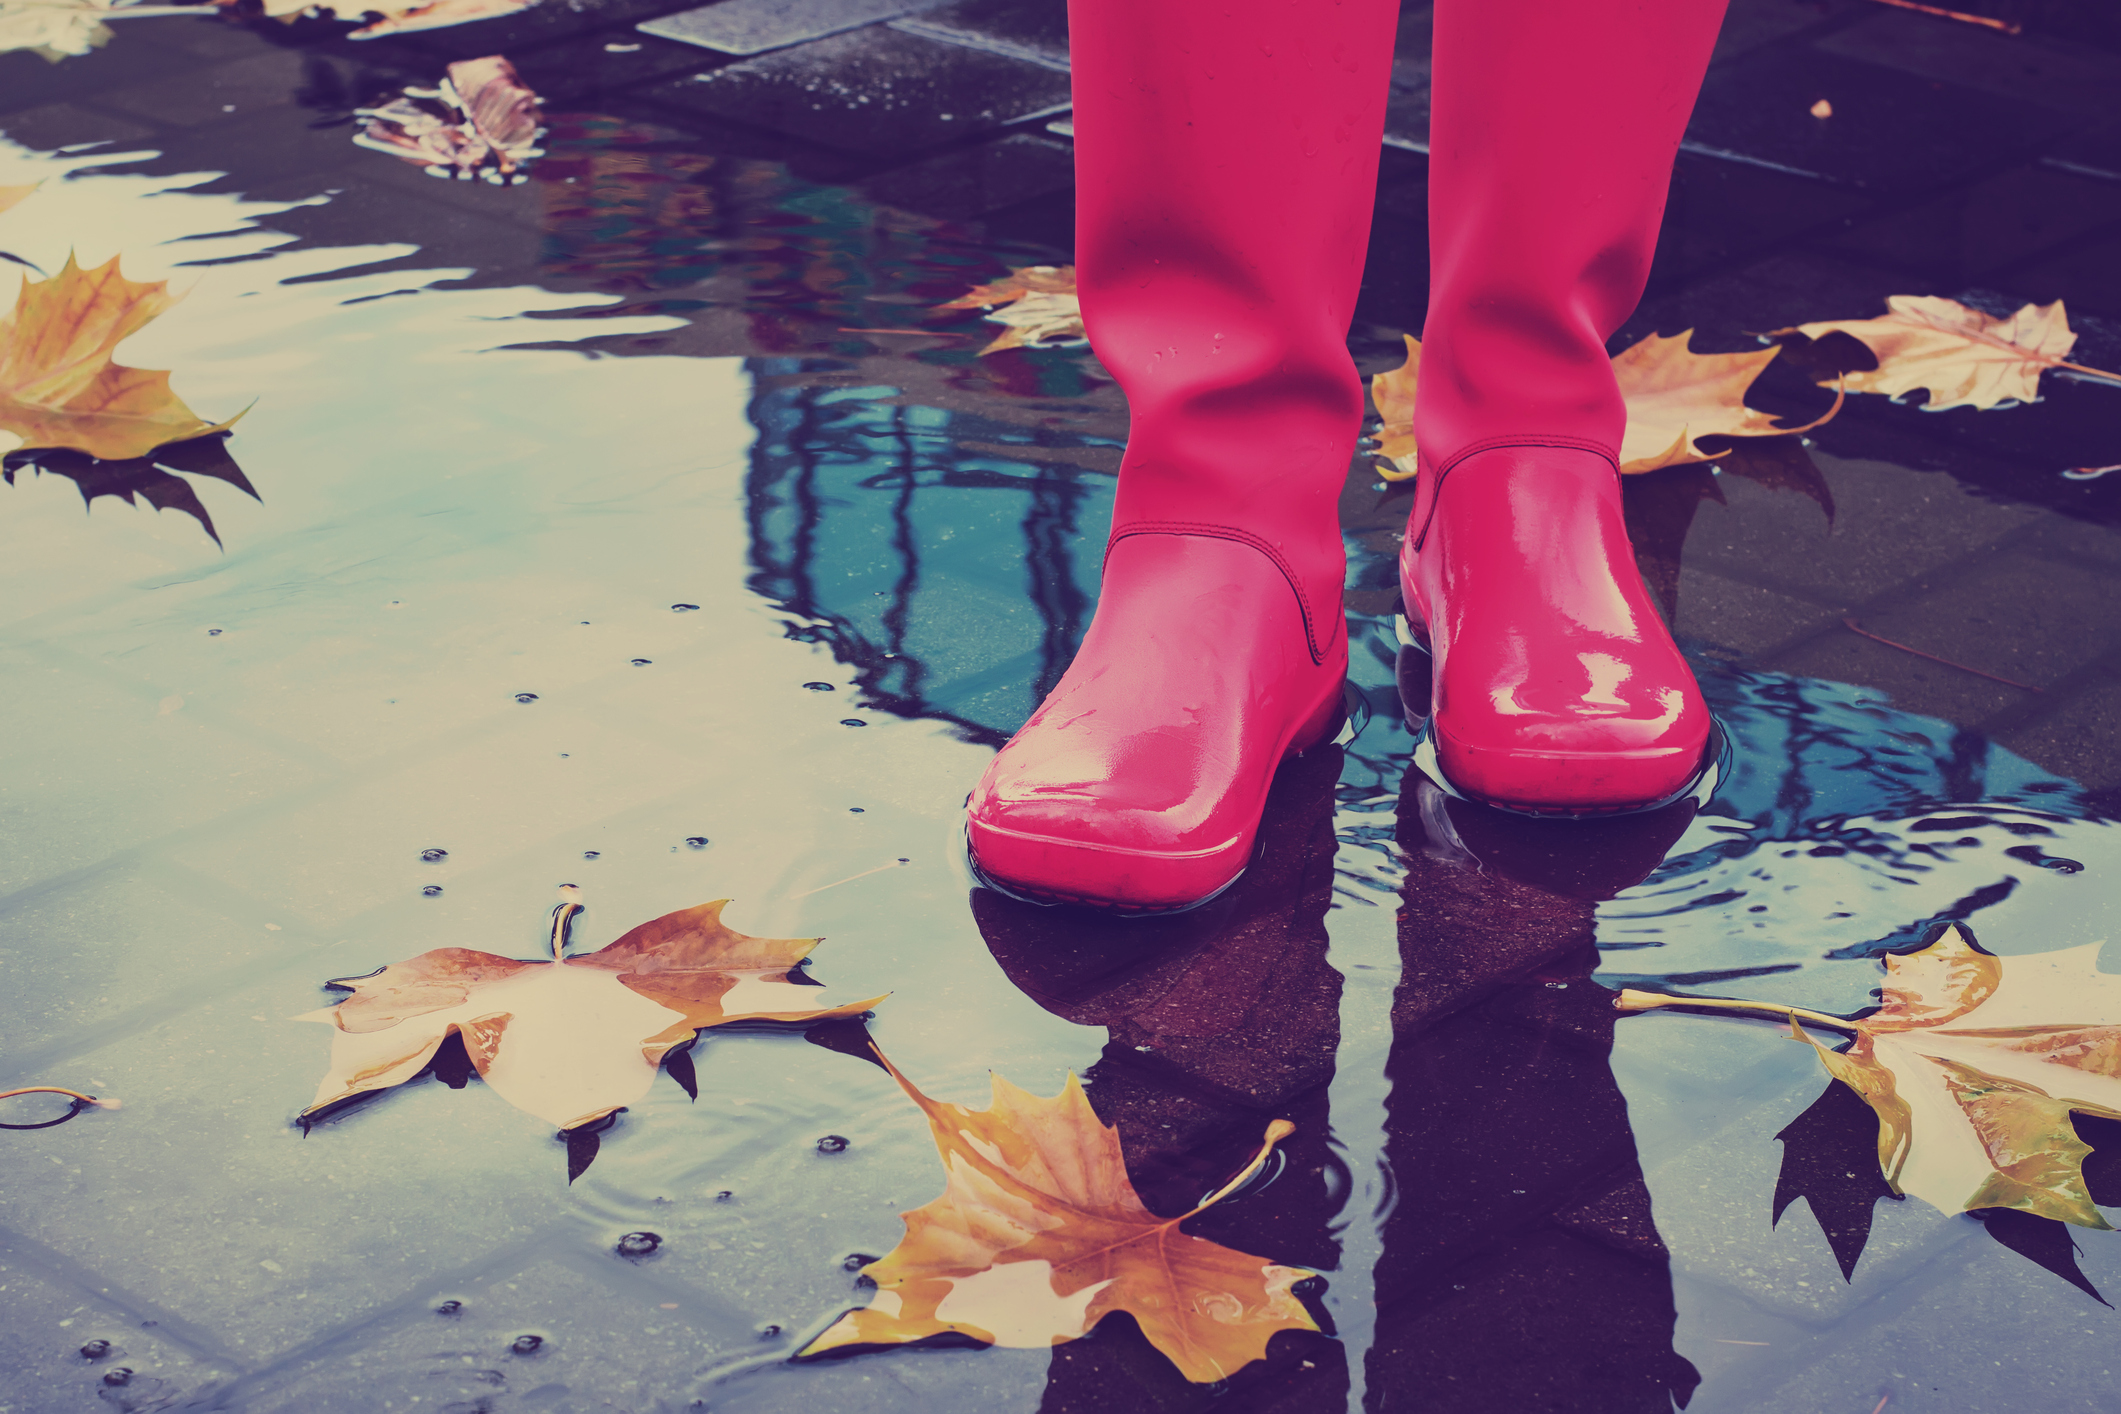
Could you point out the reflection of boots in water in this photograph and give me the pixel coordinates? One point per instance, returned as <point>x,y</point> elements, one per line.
<point>1521,1270</point>
<point>1552,131</point>
<point>1226,159</point>
<point>1221,1020</point>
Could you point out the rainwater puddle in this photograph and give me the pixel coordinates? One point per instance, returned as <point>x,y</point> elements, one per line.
<point>408,701</point>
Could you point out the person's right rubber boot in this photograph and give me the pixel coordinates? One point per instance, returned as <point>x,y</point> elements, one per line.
<point>1556,687</point>
<point>1226,163</point>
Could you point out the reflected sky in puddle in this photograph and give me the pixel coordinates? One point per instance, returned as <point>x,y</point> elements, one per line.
<point>232,763</point>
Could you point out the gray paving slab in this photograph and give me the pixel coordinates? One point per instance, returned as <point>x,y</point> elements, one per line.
<point>1745,618</point>
<point>1036,31</point>
<point>2076,734</point>
<point>981,179</point>
<point>757,26</point>
<point>2074,79</point>
<point>1911,684</point>
<point>876,91</point>
<point>2019,616</point>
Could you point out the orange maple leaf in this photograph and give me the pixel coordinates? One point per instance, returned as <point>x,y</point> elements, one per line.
<point>1959,356</point>
<point>1037,302</point>
<point>1039,1234</point>
<point>58,385</point>
<point>569,1039</point>
<point>1675,397</point>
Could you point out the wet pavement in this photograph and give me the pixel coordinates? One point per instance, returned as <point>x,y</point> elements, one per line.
<point>638,440</point>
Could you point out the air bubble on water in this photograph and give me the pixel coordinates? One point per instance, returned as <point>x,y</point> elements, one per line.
<point>855,1261</point>
<point>639,1244</point>
<point>724,1196</point>
<point>433,856</point>
<point>213,633</point>
<point>448,1308</point>
<point>852,722</point>
<point>1558,986</point>
<point>526,697</point>
<point>820,686</point>
<point>769,1331</point>
<point>118,1377</point>
<point>95,1350</point>
<point>643,662</point>
<point>905,861</point>
<point>431,891</point>
<point>696,841</point>
<point>683,608</point>
<point>591,853</point>
<point>832,1144</point>
<point>856,810</point>
<point>526,1344</point>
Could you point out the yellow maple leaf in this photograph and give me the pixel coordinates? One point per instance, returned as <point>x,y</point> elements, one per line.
<point>567,1038</point>
<point>1039,1234</point>
<point>1959,356</point>
<point>1674,396</point>
<point>1973,1066</point>
<point>397,16</point>
<point>1037,303</point>
<point>58,385</point>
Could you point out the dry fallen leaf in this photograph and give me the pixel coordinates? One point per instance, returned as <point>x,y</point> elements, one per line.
<point>1038,304</point>
<point>1039,1234</point>
<point>396,16</point>
<point>59,28</point>
<point>570,1039</point>
<point>1675,397</point>
<point>58,386</point>
<point>1960,356</point>
<point>1973,1066</point>
<point>481,119</point>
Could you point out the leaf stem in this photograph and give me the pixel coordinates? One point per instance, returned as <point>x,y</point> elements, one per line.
<point>1277,1131</point>
<point>1632,999</point>
<point>75,1095</point>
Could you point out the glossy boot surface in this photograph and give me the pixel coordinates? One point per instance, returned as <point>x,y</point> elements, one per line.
<point>1552,133</point>
<point>1555,685</point>
<point>1226,162</point>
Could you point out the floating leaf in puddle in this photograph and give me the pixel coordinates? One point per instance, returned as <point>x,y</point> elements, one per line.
<point>1039,1234</point>
<point>1959,356</point>
<point>1038,303</point>
<point>141,479</point>
<point>571,1039</point>
<point>1675,398</point>
<point>396,16</point>
<point>1973,1066</point>
<point>58,385</point>
<point>482,119</point>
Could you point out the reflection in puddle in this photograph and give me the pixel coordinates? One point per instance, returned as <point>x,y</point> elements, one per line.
<point>490,492</point>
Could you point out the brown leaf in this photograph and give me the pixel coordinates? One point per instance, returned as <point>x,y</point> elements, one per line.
<point>1973,1067</point>
<point>1038,304</point>
<point>1675,397</point>
<point>1959,356</point>
<point>1039,1234</point>
<point>482,119</point>
<point>58,386</point>
<point>570,1039</point>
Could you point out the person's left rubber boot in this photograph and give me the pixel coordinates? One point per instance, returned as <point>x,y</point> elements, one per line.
<point>1226,163</point>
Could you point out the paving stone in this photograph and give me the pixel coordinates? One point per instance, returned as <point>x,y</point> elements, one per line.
<point>57,125</point>
<point>2074,79</point>
<point>1721,212</point>
<point>756,26</point>
<point>981,179</point>
<point>209,95</point>
<point>1752,24</point>
<point>876,91</point>
<point>2094,152</point>
<point>589,24</point>
<point>1890,526</point>
<point>1745,618</point>
<point>1036,31</point>
<point>2015,615</point>
<point>2076,737</point>
<point>1998,224</point>
<point>1890,131</point>
<point>569,70</point>
<point>1910,683</point>
<point>45,1323</point>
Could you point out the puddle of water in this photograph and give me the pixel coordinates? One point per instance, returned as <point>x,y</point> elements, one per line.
<point>652,485</point>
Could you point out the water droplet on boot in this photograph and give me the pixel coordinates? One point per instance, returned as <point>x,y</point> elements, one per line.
<point>639,1244</point>
<point>819,686</point>
<point>433,856</point>
<point>526,1344</point>
<point>832,1144</point>
<point>696,841</point>
<point>95,1350</point>
<point>526,697</point>
<point>431,891</point>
